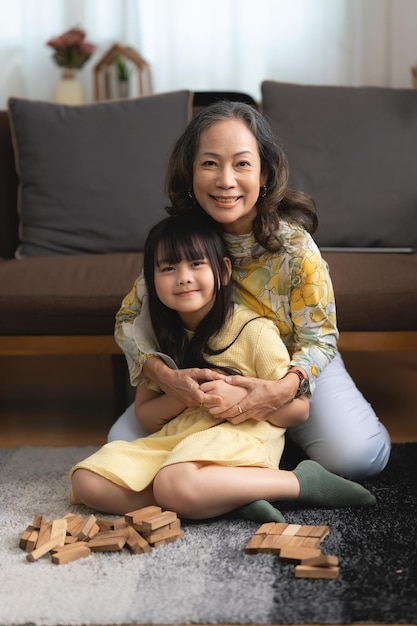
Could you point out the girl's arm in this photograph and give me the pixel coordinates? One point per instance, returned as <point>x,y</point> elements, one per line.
<point>154,409</point>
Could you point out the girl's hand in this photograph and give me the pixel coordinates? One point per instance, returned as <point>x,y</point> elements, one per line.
<point>263,399</point>
<point>230,396</point>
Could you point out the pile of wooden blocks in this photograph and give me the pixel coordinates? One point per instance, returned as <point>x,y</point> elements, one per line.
<point>297,544</point>
<point>73,536</point>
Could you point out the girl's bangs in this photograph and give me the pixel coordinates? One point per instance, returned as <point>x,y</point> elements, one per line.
<point>184,247</point>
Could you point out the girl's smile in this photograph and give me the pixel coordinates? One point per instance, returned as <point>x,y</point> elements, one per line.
<point>227,175</point>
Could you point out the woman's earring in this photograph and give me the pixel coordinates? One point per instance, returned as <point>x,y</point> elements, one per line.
<point>264,191</point>
<point>190,193</point>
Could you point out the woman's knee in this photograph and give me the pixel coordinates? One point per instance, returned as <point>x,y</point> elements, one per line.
<point>356,458</point>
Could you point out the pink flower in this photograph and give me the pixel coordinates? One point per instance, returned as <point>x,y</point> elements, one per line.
<point>71,49</point>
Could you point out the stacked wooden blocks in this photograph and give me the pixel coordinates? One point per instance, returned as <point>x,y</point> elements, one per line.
<point>297,544</point>
<point>73,536</point>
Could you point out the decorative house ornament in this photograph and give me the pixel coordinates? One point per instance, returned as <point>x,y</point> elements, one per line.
<point>121,72</point>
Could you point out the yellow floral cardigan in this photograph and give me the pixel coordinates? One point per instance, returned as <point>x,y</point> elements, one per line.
<point>292,287</point>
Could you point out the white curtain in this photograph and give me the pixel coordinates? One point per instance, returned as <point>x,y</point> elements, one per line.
<point>216,45</point>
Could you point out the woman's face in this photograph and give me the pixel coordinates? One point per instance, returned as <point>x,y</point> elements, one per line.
<point>227,175</point>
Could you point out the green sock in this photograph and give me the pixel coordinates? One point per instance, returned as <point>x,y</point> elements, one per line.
<point>260,511</point>
<point>322,488</point>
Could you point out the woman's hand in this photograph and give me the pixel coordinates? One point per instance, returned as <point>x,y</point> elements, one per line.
<point>264,398</point>
<point>184,385</point>
<point>230,396</point>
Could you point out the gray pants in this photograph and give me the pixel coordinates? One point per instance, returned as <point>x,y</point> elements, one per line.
<point>342,432</point>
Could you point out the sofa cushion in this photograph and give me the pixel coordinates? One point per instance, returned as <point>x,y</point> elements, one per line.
<point>354,149</point>
<point>92,176</point>
<point>65,294</point>
<point>375,291</point>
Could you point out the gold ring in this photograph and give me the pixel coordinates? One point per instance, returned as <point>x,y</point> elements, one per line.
<point>239,408</point>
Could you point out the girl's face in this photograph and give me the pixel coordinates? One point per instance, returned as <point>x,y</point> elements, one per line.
<point>186,287</point>
<point>227,175</point>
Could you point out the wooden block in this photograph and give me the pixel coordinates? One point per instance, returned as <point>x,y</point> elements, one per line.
<point>44,549</point>
<point>272,544</point>
<point>309,571</point>
<point>172,531</point>
<point>254,543</point>
<point>169,539</point>
<point>29,539</point>
<point>270,528</point>
<point>104,524</point>
<point>120,523</point>
<point>109,544</point>
<point>59,530</point>
<point>291,529</point>
<point>322,560</point>
<point>89,528</point>
<point>25,536</point>
<point>298,555</point>
<point>70,540</point>
<point>158,521</point>
<point>136,543</point>
<point>77,551</point>
<point>44,533</point>
<point>74,523</point>
<point>136,517</point>
<point>320,532</point>
<point>37,521</point>
<point>310,542</point>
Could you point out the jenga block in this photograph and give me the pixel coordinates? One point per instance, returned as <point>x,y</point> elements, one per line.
<point>120,523</point>
<point>171,531</point>
<point>298,555</point>
<point>136,543</point>
<point>109,544</point>
<point>46,547</point>
<point>76,551</point>
<point>271,528</point>
<point>158,521</point>
<point>309,571</point>
<point>25,536</point>
<point>70,540</point>
<point>322,560</point>
<point>74,523</point>
<point>291,529</point>
<point>320,532</point>
<point>37,521</point>
<point>254,543</point>
<point>273,543</point>
<point>32,541</point>
<point>310,542</point>
<point>136,517</point>
<point>59,530</point>
<point>169,539</point>
<point>104,524</point>
<point>88,529</point>
<point>44,533</point>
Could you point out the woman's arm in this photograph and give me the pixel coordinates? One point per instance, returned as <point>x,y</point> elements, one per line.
<point>130,309</point>
<point>154,409</point>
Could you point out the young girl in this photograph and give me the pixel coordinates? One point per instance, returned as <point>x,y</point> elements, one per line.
<point>195,463</point>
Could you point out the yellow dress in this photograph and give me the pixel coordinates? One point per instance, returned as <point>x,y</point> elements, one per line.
<point>195,435</point>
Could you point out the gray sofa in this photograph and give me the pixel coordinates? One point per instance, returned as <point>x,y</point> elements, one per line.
<point>80,187</point>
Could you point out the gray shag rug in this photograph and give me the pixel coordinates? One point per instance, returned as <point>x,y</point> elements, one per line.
<point>205,577</point>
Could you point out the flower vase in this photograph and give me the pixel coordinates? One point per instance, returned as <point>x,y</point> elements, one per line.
<point>69,89</point>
